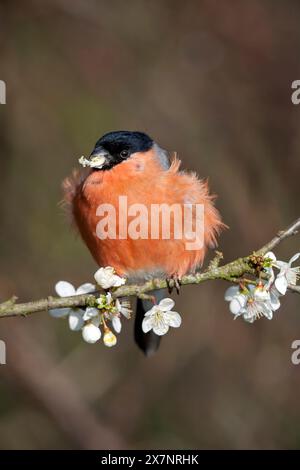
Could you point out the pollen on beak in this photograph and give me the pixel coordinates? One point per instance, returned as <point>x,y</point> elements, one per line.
<point>96,160</point>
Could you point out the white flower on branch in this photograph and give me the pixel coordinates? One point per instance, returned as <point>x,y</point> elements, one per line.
<point>121,308</point>
<point>160,317</point>
<point>124,308</point>
<point>109,339</point>
<point>90,312</point>
<point>66,289</point>
<point>106,278</point>
<point>90,319</point>
<point>288,275</point>
<point>274,295</point>
<point>91,332</point>
<point>112,311</point>
<point>75,318</point>
<point>252,303</point>
<point>258,305</point>
<point>237,299</point>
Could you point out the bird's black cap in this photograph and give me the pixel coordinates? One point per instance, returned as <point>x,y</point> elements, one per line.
<point>119,145</point>
<point>135,141</point>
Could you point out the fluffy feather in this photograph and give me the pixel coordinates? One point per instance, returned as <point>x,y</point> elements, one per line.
<point>143,180</point>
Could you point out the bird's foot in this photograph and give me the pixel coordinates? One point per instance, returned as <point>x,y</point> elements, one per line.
<point>173,281</point>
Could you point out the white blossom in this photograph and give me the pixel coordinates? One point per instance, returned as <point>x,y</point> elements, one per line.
<point>263,299</point>
<point>124,308</point>
<point>112,311</point>
<point>252,303</point>
<point>116,323</point>
<point>106,278</point>
<point>121,308</point>
<point>288,275</point>
<point>160,317</point>
<point>91,332</point>
<point>109,339</point>
<point>66,289</point>
<point>237,299</point>
<point>274,298</point>
<point>91,319</point>
<point>256,308</point>
<point>76,320</point>
<point>91,312</point>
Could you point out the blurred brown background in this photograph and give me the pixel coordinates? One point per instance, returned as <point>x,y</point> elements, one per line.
<point>211,80</point>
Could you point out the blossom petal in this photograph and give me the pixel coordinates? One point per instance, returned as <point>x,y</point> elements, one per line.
<point>248,318</point>
<point>261,294</point>
<point>147,324</point>
<point>268,313</point>
<point>275,303</point>
<point>95,321</point>
<point>116,323</point>
<point>118,281</point>
<point>90,312</point>
<point>103,277</point>
<point>231,292</point>
<point>86,288</point>
<point>107,278</point>
<point>123,309</point>
<point>270,272</point>
<point>64,289</point>
<point>282,265</point>
<point>126,312</point>
<point>76,321</point>
<point>166,304</point>
<point>294,258</point>
<point>281,284</point>
<point>59,312</point>
<point>91,333</point>
<point>242,299</point>
<point>160,328</point>
<point>248,315</point>
<point>235,306</point>
<point>152,310</point>
<point>174,319</point>
<point>109,339</point>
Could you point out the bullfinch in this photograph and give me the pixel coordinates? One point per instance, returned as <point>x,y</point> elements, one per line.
<point>132,167</point>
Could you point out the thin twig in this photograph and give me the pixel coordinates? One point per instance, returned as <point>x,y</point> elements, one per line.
<point>231,272</point>
<point>281,235</point>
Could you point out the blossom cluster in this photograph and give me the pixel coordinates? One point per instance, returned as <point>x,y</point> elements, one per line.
<point>93,319</point>
<point>103,317</point>
<point>107,311</point>
<point>262,298</point>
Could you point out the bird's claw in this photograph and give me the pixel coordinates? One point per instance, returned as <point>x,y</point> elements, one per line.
<point>173,281</point>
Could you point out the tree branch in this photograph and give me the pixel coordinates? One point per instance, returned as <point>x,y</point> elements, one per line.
<point>231,272</point>
<point>281,235</point>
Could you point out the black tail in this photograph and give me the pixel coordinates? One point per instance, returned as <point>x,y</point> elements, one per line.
<point>147,342</point>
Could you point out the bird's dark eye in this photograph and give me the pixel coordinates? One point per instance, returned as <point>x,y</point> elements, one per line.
<point>124,153</point>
